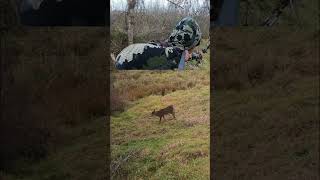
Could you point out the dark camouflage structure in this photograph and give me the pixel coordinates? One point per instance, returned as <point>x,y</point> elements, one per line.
<point>148,56</point>
<point>186,34</point>
<point>161,55</point>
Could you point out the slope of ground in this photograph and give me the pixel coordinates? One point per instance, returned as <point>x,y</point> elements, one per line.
<point>175,148</point>
<point>128,86</point>
<point>52,104</point>
<point>141,147</point>
<point>268,134</point>
<point>266,104</point>
<point>81,160</point>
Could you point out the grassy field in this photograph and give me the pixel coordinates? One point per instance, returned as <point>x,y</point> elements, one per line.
<point>82,159</point>
<point>266,104</point>
<point>268,134</point>
<point>175,148</point>
<point>52,126</point>
<point>265,113</point>
<point>143,148</point>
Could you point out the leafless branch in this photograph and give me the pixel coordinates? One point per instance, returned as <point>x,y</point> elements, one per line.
<point>116,165</point>
<point>175,4</point>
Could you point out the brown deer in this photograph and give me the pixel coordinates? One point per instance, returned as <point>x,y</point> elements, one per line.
<point>164,111</point>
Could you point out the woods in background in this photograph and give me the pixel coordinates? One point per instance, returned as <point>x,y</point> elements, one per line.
<point>135,21</point>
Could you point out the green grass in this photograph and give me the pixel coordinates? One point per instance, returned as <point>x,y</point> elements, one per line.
<point>268,130</point>
<point>55,69</point>
<point>141,147</point>
<point>81,160</point>
<point>85,156</point>
<point>175,149</point>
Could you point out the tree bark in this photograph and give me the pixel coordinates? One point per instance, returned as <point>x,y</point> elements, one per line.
<point>247,13</point>
<point>130,19</point>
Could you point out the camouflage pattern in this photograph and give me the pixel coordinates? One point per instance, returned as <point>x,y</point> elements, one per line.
<point>186,34</point>
<point>148,56</point>
<point>161,55</point>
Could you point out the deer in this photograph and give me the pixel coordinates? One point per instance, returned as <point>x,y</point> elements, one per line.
<point>164,111</point>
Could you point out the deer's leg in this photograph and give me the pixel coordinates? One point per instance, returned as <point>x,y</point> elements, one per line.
<point>160,120</point>
<point>173,114</point>
<point>164,118</point>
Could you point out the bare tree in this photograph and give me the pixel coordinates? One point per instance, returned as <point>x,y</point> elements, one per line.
<point>154,20</point>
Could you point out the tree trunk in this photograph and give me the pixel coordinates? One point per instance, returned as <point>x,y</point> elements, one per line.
<point>130,18</point>
<point>247,13</point>
<point>1,59</point>
<point>15,7</point>
<point>229,13</point>
<point>9,15</point>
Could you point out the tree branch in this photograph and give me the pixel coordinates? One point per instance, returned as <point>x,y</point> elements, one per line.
<point>175,4</point>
